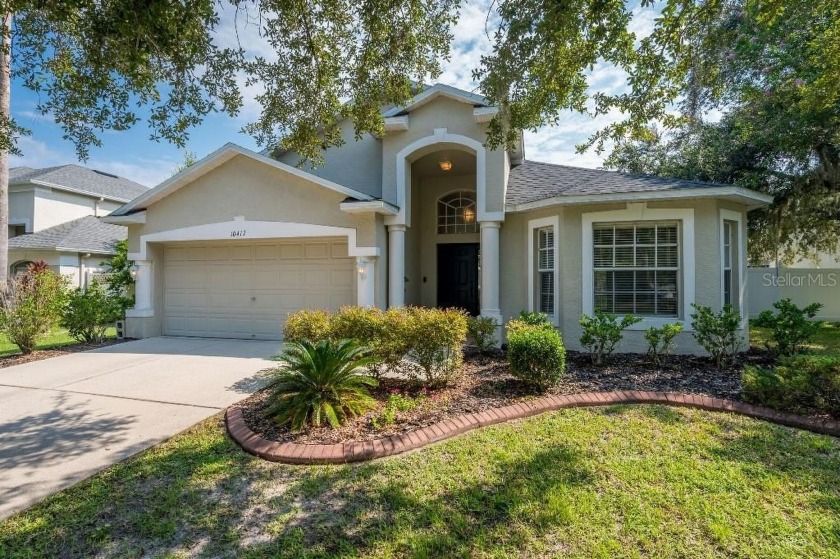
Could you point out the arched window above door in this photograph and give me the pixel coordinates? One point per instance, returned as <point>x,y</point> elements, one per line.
<point>456,213</point>
<point>21,267</point>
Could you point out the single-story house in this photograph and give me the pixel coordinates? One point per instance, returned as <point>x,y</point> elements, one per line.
<point>428,215</point>
<point>53,217</point>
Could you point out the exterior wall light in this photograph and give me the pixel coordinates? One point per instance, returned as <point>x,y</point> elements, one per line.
<point>133,270</point>
<point>445,165</point>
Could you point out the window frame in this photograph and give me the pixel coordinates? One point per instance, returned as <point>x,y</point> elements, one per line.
<point>739,261</point>
<point>655,268</point>
<point>639,212</point>
<point>444,201</point>
<point>534,226</point>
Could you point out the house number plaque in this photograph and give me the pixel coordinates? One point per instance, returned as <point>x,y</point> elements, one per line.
<point>238,233</point>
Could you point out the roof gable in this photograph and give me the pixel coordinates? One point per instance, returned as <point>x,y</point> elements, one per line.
<point>216,159</point>
<point>438,90</point>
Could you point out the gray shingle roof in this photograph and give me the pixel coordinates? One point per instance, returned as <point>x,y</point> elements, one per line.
<point>532,181</point>
<point>78,178</point>
<point>86,234</point>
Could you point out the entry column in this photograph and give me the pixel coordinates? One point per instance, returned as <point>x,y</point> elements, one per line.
<point>396,265</point>
<point>490,270</point>
<point>143,305</point>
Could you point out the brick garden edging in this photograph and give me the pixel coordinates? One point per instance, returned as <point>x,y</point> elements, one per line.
<point>358,451</point>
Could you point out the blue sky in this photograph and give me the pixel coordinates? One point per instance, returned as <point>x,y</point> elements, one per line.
<point>132,155</point>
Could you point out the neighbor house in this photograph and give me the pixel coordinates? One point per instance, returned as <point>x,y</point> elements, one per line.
<point>53,217</point>
<point>428,215</point>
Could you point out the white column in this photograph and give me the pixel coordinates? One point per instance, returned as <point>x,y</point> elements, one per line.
<point>143,305</point>
<point>366,283</point>
<point>396,265</point>
<point>490,269</point>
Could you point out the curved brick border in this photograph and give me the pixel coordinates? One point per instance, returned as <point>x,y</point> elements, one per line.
<point>358,451</point>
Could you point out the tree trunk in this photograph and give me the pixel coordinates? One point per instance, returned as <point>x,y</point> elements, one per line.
<point>5,115</point>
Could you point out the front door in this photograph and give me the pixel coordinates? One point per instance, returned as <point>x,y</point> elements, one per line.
<point>458,276</point>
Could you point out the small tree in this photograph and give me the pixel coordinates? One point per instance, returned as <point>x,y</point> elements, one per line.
<point>482,331</point>
<point>718,333</point>
<point>90,312</point>
<point>119,281</point>
<point>602,332</point>
<point>31,305</point>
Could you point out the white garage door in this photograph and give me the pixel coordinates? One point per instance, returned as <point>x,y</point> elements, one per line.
<point>245,290</point>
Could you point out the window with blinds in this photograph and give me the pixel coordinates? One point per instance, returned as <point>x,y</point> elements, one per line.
<point>728,257</point>
<point>545,270</point>
<point>637,268</point>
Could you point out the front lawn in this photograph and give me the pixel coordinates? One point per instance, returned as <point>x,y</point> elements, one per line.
<point>622,481</point>
<point>57,338</point>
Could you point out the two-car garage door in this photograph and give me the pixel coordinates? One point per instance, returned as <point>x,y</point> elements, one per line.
<point>237,289</point>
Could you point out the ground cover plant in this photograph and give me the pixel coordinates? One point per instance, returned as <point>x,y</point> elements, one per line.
<point>620,481</point>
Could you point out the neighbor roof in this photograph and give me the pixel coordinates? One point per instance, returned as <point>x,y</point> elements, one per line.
<point>533,182</point>
<point>86,234</point>
<point>75,178</point>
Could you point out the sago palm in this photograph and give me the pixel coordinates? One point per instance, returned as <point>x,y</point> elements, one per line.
<point>321,381</point>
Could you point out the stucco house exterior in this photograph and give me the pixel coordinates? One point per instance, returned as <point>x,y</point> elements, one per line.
<point>53,217</point>
<point>428,215</point>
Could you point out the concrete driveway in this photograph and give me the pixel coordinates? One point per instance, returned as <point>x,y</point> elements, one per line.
<point>65,418</point>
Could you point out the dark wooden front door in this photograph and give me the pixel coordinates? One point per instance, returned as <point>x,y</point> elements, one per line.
<point>458,276</point>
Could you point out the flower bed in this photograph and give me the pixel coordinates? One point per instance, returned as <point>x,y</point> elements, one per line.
<point>487,384</point>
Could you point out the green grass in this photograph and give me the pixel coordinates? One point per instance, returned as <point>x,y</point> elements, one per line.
<point>826,342</point>
<point>55,339</point>
<point>621,481</point>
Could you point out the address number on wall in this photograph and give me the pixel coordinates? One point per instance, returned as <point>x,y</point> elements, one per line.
<point>238,233</point>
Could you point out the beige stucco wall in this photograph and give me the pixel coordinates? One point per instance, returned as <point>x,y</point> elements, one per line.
<point>52,207</point>
<point>514,267</point>
<point>356,163</point>
<point>74,266</point>
<point>246,187</point>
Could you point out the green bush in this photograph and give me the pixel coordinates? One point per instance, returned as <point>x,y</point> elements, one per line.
<point>436,338</point>
<point>718,333</point>
<point>119,282</point>
<point>800,383</point>
<point>431,339</point>
<point>661,342</point>
<point>482,331</point>
<point>791,329</point>
<point>533,318</point>
<point>321,382</point>
<point>307,325</point>
<point>602,332</point>
<point>90,312</point>
<point>536,354</point>
<point>32,305</point>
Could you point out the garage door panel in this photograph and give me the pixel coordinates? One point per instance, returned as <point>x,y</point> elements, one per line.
<point>246,290</point>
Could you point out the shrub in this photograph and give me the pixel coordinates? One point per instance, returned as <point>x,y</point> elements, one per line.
<point>800,383</point>
<point>791,329</point>
<point>307,325</point>
<point>602,332</point>
<point>436,338</point>
<point>383,332</point>
<point>533,318</point>
<point>718,333</point>
<point>482,331</point>
<point>31,305</point>
<point>536,354</point>
<point>661,342</point>
<point>321,382</point>
<point>90,312</point>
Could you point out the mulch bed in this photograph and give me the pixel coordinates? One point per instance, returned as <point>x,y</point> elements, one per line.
<point>38,354</point>
<point>487,383</point>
